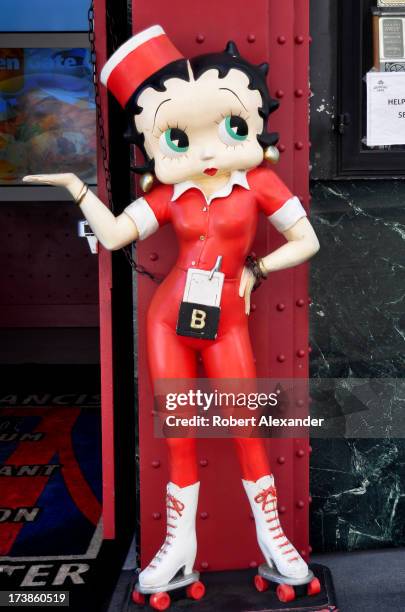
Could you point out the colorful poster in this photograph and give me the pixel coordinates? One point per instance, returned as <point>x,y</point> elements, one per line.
<point>47,113</point>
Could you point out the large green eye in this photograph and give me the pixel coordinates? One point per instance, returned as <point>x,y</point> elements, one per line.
<point>173,142</point>
<point>233,130</point>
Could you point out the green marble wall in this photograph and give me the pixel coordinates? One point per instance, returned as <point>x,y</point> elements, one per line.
<point>357,329</point>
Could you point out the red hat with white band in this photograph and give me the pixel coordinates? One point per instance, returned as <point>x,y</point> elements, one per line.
<point>136,60</point>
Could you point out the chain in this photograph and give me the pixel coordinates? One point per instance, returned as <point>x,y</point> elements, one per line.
<point>100,126</point>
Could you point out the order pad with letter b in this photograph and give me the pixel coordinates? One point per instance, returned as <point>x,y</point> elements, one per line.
<point>200,309</point>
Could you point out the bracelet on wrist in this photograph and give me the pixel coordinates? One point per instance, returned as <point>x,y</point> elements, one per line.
<point>258,270</point>
<point>262,268</point>
<point>82,194</point>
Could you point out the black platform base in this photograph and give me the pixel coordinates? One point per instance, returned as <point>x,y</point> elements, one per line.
<point>234,592</point>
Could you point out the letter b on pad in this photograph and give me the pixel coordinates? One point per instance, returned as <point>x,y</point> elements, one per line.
<point>198,318</point>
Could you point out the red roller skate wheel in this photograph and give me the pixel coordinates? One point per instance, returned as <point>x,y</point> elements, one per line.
<point>285,592</point>
<point>314,587</point>
<point>196,590</point>
<point>138,598</point>
<point>261,583</point>
<point>159,601</point>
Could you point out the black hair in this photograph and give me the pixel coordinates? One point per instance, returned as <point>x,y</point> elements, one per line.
<point>224,62</point>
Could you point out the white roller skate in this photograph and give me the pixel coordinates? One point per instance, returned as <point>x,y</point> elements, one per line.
<point>172,566</point>
<point>275,546</point>
<point>284,565</point>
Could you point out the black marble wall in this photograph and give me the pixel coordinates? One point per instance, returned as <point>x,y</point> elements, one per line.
<point>357,322</point>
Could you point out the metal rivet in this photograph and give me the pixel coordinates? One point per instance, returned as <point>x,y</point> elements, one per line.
<point>200,38</point>
<point>204,564</point>
<point>281,40</point>
<point>280,93</point>
<point>310,449</point>
<point>281,460</point>
<point>253,307</point>
<point>300,453</point>
<point>299,145</point>
<point>301,353</point>
<point>203,462</point>
<point>205,209</point>
<point>281,148</point>
<point>253,564</point>
<point>300,504</point>
<point>282,510</point>
<point>204,515</point>
<point>155,463</point>
<point>299,40</point>
<point>281,307</point>
<point>281,358</point>
<point>251,38</point>
<point>202,237</point>
<point>153,256</point>
<point>156,516</point>
<point>300,303</point>
<point>300,403</point>
<point>310,349</point>
<point>299,93</point>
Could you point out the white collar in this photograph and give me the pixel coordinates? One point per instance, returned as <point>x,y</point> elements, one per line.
<point>238,177</point>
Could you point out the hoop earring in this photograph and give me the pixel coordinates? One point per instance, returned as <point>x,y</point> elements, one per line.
<point>271,154</point>
<point>146,182</point>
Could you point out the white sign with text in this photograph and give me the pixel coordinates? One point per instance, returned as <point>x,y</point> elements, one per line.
<point>385,108</point>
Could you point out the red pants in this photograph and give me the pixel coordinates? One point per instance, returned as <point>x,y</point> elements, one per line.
<point>228,356</point>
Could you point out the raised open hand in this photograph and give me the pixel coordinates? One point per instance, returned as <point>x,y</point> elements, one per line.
<point>68,180</point>
<point>61,180</point>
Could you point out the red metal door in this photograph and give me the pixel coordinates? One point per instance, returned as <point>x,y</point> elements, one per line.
<point>277,32</point>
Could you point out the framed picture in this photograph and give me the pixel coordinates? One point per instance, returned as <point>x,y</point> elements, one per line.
<point>47,109</point>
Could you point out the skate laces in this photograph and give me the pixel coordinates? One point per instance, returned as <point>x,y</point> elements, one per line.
<point>174,509</point>
<point>268,497</point>
<point>177,505</point>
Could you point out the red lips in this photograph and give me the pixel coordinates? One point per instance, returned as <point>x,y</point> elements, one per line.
<point>210,171</point>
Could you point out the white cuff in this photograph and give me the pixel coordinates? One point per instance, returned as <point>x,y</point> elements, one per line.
<point>288,215</point>
<point>143,217</point>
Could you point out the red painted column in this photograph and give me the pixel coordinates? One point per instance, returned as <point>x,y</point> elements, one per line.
<point>300,290</point>
<point>105,284</point>
<point>264,30</point>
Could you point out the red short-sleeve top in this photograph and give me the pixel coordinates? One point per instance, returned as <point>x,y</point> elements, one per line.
<point>223,224</point>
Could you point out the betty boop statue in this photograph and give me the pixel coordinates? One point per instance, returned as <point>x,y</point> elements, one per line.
<point>201,125</point>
